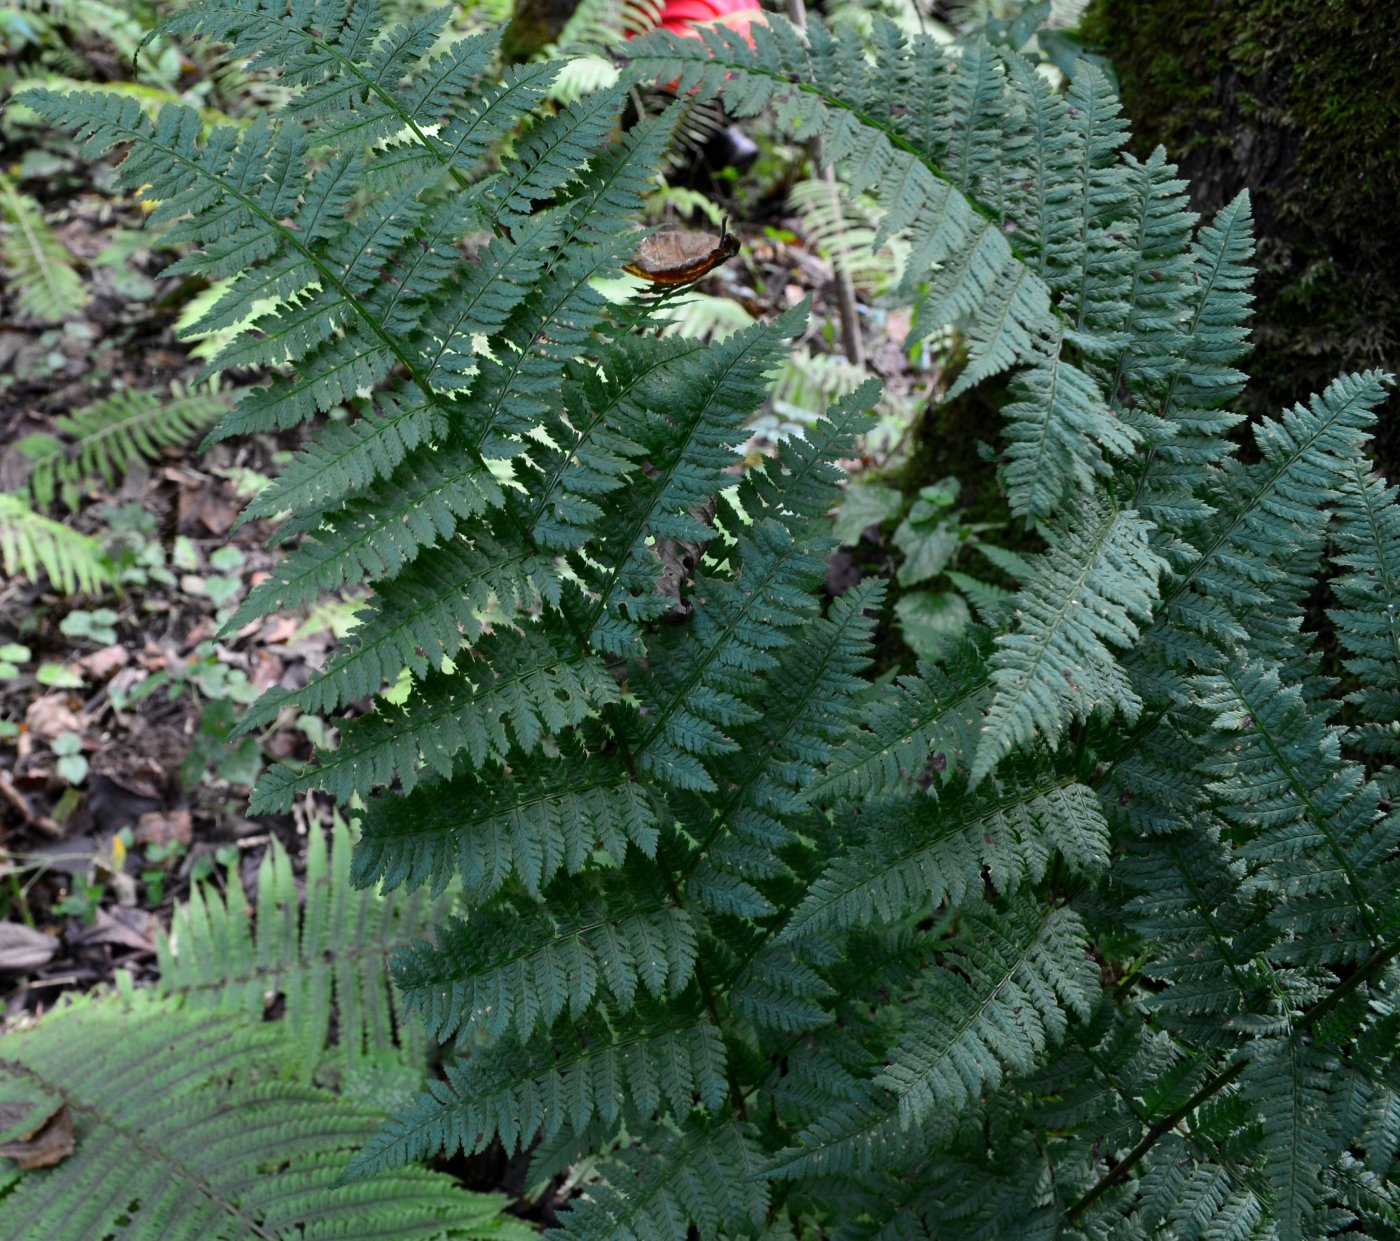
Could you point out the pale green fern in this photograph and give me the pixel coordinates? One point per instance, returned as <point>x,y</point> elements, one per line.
<point>103,440</point>
<point>37,266</point>
<point>32,544</point>
<point>186,1126</point>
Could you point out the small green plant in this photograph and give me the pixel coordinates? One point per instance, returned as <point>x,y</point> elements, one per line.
<point>97,626</point>
<point>13,655</point>
<point>35,263</point>
<point>156,861</point>
<point>82,900</point>
<point>930,538</point>
<point>72,767</point>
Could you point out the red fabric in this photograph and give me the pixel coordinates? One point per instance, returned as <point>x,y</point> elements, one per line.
<point>681,16</point>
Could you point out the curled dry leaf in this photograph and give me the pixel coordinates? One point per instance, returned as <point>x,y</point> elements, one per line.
<point>22,948</point>
<point>51,1143</point>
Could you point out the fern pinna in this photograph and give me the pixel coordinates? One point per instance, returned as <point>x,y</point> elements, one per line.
<point>1088,931</point>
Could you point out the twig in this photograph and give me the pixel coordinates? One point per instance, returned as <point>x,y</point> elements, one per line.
<point>845,289</point>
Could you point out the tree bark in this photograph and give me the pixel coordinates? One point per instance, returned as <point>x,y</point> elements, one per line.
<point>1298,101</point>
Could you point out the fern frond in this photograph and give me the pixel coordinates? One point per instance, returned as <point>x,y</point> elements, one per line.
<point>1290,1083</point>
<point>488,826</point>
<point>523,967</point>
<point>1018,976</point>
<point>543,687</point>
<point>655,1059</point>
<point>809,701</point>
<point>324,950</point>
<point>38,266</point>
<point>1186,414</point>
<point>31,544</point>
<point>914,730</point>
<point>1307,817</point>
<point>918,859</point>
<point>706,1176</point>
<point>1091,591</point>
<point>109,436</point>
<point>1255,554</point>
<point>184,1129</point>
<point>1366,529</point>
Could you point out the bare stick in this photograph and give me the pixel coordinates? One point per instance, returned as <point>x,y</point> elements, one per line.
<point>845,289</point>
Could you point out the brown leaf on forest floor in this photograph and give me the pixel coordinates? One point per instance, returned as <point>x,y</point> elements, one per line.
<point>163,828</point>
<point>101,665</point>
<point>51,715</point>
<point>22,948</point>
<point>128,928</point>
<point>202,500</point>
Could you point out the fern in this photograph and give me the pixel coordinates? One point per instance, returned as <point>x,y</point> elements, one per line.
<point>38,267</point>
<point>31,544</point>
<point>319,946</point>
<point>106,438</point>
<point>184,1128</point>
<point>1087,931</point>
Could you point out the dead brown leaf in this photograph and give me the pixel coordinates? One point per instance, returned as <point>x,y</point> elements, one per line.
<point>163,827</point>
<point>22,948</point>
<point>51,1143</point>
<point>129,928</point>
<point>51,715</point>
<point>101,665</point>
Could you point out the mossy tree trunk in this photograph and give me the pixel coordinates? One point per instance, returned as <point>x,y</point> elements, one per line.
<point>534,25</point>
<point>1298,100</point>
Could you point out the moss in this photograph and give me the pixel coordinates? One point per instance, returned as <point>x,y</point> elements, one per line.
<point>1300,101</point>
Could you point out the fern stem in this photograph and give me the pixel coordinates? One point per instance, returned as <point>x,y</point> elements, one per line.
<point>1151,1138</point>
<point>1372,965</point>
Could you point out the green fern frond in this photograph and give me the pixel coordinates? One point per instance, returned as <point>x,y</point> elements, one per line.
<point>323,948</point>
<point>522,968</point>
<point>38,266</point>
<point>842,231</point>
<point>597,25</point>
<point>186,1129</point>
<point>1018,977</point>
<point>914,730</point>
<point>1265,531</point>
<point>1290,1082</point>
<point>1056,666</point>
<point>917,860</point>
<point>655,1059</point>
<point>105,439</point>
<point>705,1176</point>
<point>1307,818</point>
<point>1366,529</point>
<point>488,826</point>
<point>31,544</point>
